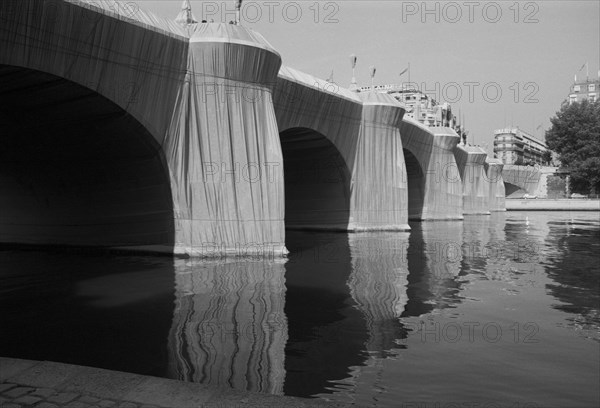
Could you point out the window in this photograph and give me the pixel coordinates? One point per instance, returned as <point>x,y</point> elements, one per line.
<point>572,98</point>
<point>592,97</point>
<point>591,87</point>
<point>576,88</point>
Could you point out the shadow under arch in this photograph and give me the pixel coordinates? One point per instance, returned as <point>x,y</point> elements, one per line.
<point>416,185</point>
<point>317,182</point>
<point>78,170</point>
<point>512,189</point>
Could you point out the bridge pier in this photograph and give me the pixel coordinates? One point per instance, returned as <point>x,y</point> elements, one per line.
<point>434,186</point>
<point>497,198</point>
<point>223,150</point>
<point>471,161</point>
<point>379,182</point>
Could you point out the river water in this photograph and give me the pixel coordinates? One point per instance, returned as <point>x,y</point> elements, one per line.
<point>492,311</point>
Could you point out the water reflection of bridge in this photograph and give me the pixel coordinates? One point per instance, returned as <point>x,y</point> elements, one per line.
<point>229,326</point>
<point>337,305</point>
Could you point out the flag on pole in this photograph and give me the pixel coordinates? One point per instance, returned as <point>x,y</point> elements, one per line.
<point>372,70</point>
<point>539,126</point>
<point>401,73</point>
<point>582,67</point>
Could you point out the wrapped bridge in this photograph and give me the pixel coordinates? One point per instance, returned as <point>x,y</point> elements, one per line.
<point>122,129</point>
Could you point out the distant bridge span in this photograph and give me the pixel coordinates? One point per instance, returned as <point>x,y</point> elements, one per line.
<point>521,179</point>
<point>131,131</point>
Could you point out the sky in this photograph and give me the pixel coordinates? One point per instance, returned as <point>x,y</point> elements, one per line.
<point>500,63</point>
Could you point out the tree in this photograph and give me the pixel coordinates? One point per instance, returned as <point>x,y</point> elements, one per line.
<point>575,137</point>
<point>547,157</point>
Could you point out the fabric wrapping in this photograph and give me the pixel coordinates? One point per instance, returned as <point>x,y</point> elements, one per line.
<point>202,93</point>
<point>319,124</point>
<point>223,149</point>
<point>364,131</point>
<point>497,196</point>
<point>89,95</point>
<point>437,192</point>
<point>177,135</point>
<point>379,181</point>
<point>470,161</point>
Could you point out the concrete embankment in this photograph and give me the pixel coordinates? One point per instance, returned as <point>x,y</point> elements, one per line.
<point>25,383</point>
<point>541,204</point>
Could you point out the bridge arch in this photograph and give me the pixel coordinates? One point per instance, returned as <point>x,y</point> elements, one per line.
<point>513,189</point>
<point>77,169</point>
<point>440,194</point>
<point>520,180</point>
<point>416,185</point>
<point>317,181</point>
<point>363,127</point>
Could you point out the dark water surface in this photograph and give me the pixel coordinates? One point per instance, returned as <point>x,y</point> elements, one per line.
<point>492,311</point>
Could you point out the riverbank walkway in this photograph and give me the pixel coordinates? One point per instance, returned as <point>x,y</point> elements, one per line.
<point>546,204</point>
<point>37,384</point>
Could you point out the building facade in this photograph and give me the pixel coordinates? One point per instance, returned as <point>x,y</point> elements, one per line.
<point>588,89</point>
<point>419,106</point>
<point>514,146</point>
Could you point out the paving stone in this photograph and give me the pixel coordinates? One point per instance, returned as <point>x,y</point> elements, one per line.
<point>28,400</point>
<point>18,392</point>
<point>127,405</point>
<point>12,405</point>
<point>113,384</point>
<point>170,393</point>
<point>6,387</point>
<point>106,404</point>
<point>77,404</point>
<point>89,400</point>
<point>46,405</point>
<point>45,375</point>
<point>63,397</point>
<point>43,392</point>
<point>10,367</point>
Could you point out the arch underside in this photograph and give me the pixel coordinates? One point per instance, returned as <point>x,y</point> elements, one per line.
<point>416,186</point>
<point>76,169</point>
<point>513,190</point>
<point>317,182</point>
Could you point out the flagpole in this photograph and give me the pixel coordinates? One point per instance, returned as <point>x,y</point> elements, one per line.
<point>238,12</point>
